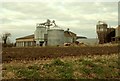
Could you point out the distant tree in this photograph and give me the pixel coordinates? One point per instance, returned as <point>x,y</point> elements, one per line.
<point>5,37</point>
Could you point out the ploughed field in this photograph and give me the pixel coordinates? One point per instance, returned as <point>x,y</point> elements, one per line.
<point>36,53</point>
<point>61,63</point>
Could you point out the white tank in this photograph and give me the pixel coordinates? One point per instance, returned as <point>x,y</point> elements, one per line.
<point>118,31</point>
<point>39,34</point>
<point>55,36</point>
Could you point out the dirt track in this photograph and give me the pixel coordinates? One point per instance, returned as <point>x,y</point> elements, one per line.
<point>10,54</point>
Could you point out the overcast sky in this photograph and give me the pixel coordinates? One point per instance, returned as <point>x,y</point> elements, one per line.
<point>20,18</point>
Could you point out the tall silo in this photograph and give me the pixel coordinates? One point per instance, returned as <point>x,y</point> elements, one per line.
<point>39,34</point>
<point>101,29</point>
<point>55,36</point>
<point>117,34</point>
<point>117,31</point>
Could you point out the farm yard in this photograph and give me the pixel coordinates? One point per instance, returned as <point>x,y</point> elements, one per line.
<point>60,40</point>
<point>99,62</point>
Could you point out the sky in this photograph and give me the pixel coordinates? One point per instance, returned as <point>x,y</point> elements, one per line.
<point>20,18</point>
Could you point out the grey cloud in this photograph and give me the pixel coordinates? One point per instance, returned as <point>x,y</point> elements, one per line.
<point>43,11</point>
<point>80,17</point>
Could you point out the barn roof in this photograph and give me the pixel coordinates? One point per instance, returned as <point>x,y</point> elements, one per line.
<point>27,37</point>
<point>69,34</point>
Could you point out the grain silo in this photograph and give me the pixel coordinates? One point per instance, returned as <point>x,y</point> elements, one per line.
<point>55,36</point>
<point>117,31</point>
<point>101,28</point>
<point>117,34</point>
<point>39,34</point>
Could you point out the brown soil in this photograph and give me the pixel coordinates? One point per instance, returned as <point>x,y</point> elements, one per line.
<point>10,54</point>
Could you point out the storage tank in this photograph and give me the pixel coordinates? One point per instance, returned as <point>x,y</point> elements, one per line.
<point>55,36</point>
<point>118,31</point>
<point>40,34</point>
<point>101,29</point>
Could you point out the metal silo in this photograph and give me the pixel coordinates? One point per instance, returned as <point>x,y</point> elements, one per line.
<point>118,31</point>
<point>101,29</point>
<point>40,34</point>
<point>55,36</point>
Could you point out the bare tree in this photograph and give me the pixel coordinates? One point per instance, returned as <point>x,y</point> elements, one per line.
<point>5,37</point>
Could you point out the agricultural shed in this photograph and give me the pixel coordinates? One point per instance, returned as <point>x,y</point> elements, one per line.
<point>29,40</point>
<point>69,37</point>
<point>25,41</point>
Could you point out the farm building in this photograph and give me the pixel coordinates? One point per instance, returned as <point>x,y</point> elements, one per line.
<point>25,41</point>
<point>107,34</point>
<point>116,39</point>
<point>69,36</point>
<point>47,34</point>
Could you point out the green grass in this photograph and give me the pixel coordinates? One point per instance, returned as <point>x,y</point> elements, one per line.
<point>58,62</point>
<point>24,72</point>
<point>61,69</point>
<point>28,73</point>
